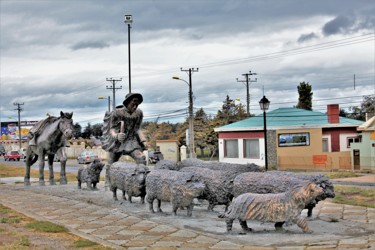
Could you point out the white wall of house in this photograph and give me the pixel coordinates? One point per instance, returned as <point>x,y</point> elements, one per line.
<point>344,141</point>
<point>240,159</point>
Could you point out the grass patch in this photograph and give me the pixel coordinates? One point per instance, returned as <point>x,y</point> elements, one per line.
<point>356,196</point>
<point>24,241</point>
<point>11,220</point>
<point>14,171</point>
<point>84,243</point>
<point>45,226</point>
<point>339,175</point>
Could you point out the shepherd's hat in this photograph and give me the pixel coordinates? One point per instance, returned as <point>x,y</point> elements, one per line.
<point>130,96</point>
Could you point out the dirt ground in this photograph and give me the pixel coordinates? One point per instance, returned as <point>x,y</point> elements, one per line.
<point>325,228</point>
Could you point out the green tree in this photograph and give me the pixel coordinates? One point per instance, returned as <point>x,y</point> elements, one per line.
<point>200,130</point>
<point>305,96</point>
<point>367,106</point>
<point>87,132</point>
<point>77,130</point>
<point>97,130</point>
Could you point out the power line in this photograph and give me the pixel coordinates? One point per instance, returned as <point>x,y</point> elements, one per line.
<point>113,88</point>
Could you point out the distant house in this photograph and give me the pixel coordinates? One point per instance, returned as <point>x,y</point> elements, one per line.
<point>363,149</point>
<point>296,139</point>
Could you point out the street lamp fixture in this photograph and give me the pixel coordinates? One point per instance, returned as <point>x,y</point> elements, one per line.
<point>129,21</point>
<point>109,101</point>
<point>264,104</point>
<point>191,118</point>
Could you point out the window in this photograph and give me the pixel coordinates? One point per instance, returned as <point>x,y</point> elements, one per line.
<point>325,145</point>
<point>294,139</point>
<point>251,148</point>
<point>353,139</point>
<point>231,148</point>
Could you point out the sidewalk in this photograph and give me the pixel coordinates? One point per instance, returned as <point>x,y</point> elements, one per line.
<point>120,225</point>
<point>366,180</point>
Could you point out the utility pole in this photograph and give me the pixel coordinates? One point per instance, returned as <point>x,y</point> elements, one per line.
<point>19,109</point>
<point>248,81</point>
<point>190,71</point>
<point>113,90</point>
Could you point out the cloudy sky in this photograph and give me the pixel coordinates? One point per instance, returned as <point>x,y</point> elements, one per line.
<point>57,54</point>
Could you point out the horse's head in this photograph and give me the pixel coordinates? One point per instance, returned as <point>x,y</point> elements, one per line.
<point>66,124</point>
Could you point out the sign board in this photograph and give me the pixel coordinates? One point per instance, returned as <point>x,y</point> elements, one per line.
<point>319,159</point>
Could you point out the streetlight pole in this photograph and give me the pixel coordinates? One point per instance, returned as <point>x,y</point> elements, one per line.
<point>191,117</point>
<point>109,101</point>
<point>264,104</point>
<point>129,21</point>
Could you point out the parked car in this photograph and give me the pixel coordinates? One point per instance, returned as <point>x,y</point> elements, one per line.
<point>87,157</point>
<point>12,155</point>
<point>155,156</point>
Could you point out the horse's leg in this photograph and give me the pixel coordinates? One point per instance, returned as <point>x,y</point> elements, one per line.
<point>41,168</point>
<point>63,158</point>
<point>29,156</point>
<point>50,166</point>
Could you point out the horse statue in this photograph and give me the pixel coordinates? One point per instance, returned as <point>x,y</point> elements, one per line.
<point>49,137</point>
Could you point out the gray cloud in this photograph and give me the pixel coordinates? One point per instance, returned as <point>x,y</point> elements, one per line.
<point>307,37</point>
<point>339,24</point>
<point>90,45</point>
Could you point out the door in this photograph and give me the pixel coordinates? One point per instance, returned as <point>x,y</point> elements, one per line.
<point>356,159</point>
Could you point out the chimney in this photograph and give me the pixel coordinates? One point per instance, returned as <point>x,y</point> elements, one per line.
<point>333,111</point>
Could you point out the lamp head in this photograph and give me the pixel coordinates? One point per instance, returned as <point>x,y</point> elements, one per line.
<point>264,104</point>
<point>128,19</point>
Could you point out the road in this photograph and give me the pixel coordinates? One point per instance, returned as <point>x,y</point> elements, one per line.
<point>71,165</point>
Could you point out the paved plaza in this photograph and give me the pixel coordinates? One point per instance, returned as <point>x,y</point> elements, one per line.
<point>120,225</point>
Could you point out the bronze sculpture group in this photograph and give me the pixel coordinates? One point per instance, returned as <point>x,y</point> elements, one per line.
<point>178,183</point>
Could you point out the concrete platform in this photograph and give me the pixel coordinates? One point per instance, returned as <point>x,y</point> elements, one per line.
<point>122,225</point>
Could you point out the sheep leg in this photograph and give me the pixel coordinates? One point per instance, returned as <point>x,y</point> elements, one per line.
<point>124,196</point>
<point>151,206</point>
<point>302,223</point>
<point>130,198</point>
<point>114,191</point>
<point>175,207</point>
<point>142,200</point>
<point>244,225</point>
<point>279,225</point>
<point>190,210</point>
<point>94,185</point>
<point>229,224</point>
<point>89,185</point>
<point>79,184</point>
<point>159,204</point>
<point>210,207</point>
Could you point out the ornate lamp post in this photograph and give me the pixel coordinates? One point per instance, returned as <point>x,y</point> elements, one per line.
<point>109,101</point>
<point>129,21</point>
<point>264,104</point>
<point>191,118</point>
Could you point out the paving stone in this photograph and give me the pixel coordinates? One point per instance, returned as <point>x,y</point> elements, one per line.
<point>226,245</point>
<point>130,233</point>
<point>163,228</point>
<point>321,247</point>
<point>184,233</point>
<point>258,248</point>
<point>165,244</point>
<point>137,243</point>
<point>118,242</point>
<point>204,239</point>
